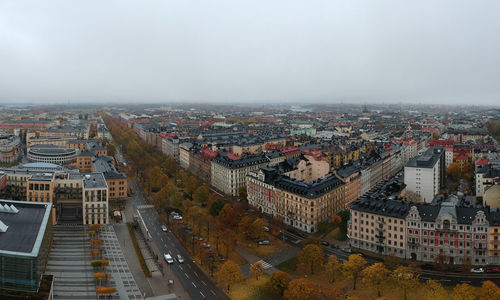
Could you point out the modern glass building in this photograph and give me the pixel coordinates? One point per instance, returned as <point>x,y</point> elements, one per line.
<point>25,238</point>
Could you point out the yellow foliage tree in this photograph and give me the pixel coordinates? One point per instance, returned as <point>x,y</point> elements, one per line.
<point>331,267</point>
<point>300,289</point>
<point>435,291</point>
<point>352,268</point>
<point>279,282</point>
<point>406,278</point>
<point>229,274</point>
<point>257,269</point>
<point>463,291</point>
<point>489,291</point>
<point>310,258</point>
<point>375,275</point>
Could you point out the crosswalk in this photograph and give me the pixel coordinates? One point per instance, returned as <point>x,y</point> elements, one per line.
<point>265,265</point>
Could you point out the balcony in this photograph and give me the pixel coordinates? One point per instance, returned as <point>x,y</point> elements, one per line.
<point>380,236</point>
<point>380,230</point>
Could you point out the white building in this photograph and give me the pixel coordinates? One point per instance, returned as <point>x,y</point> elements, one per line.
<point>423,174</point>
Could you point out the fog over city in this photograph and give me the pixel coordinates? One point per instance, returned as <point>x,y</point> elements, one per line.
<point>255,51</point>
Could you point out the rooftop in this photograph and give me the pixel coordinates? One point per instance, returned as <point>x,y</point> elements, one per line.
<point>25,228</point>
<point>94,180</point>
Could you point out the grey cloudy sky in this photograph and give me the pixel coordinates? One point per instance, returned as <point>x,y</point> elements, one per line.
<point>259,50</point>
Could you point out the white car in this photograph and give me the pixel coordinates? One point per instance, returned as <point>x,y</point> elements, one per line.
<point>477,270</point>
<point>177,217</point>
<point>164,228</point>
<point>180,259</point>
<point>168,258</point>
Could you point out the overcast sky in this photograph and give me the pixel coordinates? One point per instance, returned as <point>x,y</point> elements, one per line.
<point>250,51</point>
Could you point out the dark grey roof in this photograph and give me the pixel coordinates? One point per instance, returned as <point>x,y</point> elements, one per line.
<point>384,207</point>
<point>311,190</point>
<point>24,227</point>
<point>94,180</point>
<point>428,159</point>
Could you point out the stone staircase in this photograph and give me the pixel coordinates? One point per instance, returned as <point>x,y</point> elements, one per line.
<point>69,262</point>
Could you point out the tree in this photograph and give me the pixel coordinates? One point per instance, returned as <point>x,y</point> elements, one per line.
<point>352,268</point>
<point>278,282</point>
<point>245,225</point>
<point>391,261</point>
<point>111,149</point>
<point>257,269</point>
<point>489,291</point>
<point>226,216</point>
<point>405,277</point>
<point>300,289</point>
<point>454,171</point>
<point>229,274</point>
<point>329,293</point>
<point>435,290</point>
<point>216,207</point>
<point>375,275</point>
<point>258,227</point>
<point>463,291</point>
<point>311,258</point>
<point>228,240</point>
<point>312,240</point>
<point>332,266</point>
<point>201,194</point>
<point>336,220</point>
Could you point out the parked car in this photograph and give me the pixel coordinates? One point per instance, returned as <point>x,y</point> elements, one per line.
<point>205,245</point>
<point>477,270</point>
<point>266,229</point>
<point>164,228</point>
<point>263,242</point>
<point>177,217</point>
<point>180,259</point>
<point>325,243</point>
<point>168,258</point>
<point>493,270</point>
<point>347,250</point>
<point>334,246</point>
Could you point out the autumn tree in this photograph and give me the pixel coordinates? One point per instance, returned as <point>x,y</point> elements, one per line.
<point>353,267</point>
<point>300,289</point>
<point>454,171</point>
<point>201,194</point>
<point>329,293</point>
<point>314,240</point>
<point>463,291</point>
<point>257,269</point>
<point>435,290</point>
<point>406,278</point>
<point>245,224</point>
<point>228,240</point>
<point>310,258</point>
<point>489,291</point>
<point>216,206</point>
<point>226,216</point>
<point>278,282</point>
<point>331,267</point>
<point>375,275</point>
<point>229,274</point>
<point>242,192</point>
<point>258,227</point>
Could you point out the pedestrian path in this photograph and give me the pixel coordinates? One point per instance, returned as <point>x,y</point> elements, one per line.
<point>121,277</point>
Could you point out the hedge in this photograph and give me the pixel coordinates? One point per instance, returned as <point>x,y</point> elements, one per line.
<point>142,262</point>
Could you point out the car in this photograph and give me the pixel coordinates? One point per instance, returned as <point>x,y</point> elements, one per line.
<point>347,250</point>
<point>334,246</point>
<point>180,259</point>
<point>164,228</point>
<point>174,213</point>
<point>263,242</point>
<point>477,270</point>
<point>168,258</point>
<point>325,243</point>
<point>266,229</point>
<point>205,245</point>
<point>493,270</point>
<point>177,217</point>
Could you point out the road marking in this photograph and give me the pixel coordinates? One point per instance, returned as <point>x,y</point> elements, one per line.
<point>203,282</point>
<point>202,295</point>
<point>196,274</point>
<point>189,266</point>
<point>181,267</point>
<point>265,265</point>
<point>213,292</point>
<point>193,284</point>
<point>186,275</point>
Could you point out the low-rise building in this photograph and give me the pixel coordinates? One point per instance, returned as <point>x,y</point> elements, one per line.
<point>10,148</point>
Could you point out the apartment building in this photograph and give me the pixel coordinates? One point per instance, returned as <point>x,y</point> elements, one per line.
<point>424,174</point>
<point>10,148</point>
<point>305,205</point>
<point>95,199</point>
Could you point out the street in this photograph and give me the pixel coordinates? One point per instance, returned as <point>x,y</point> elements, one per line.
<point>193,279</point>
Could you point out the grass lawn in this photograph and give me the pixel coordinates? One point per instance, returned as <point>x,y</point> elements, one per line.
<point>251,289</point>
<point>288,266</point>
<point>337,234</point>
<point>262,251</point>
